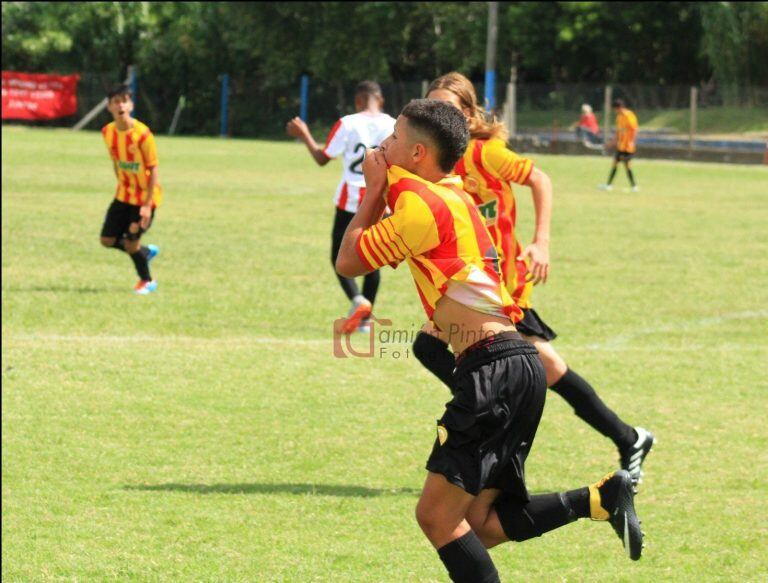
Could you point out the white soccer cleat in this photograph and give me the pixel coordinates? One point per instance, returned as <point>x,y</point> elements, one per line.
<point>607,187</point>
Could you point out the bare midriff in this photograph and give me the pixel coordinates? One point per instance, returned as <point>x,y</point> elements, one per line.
<point>462,326</point>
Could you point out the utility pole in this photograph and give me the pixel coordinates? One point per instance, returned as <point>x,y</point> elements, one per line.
<point>490,56</point>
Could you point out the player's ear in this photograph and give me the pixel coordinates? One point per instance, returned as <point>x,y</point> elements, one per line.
<point>419,152</point>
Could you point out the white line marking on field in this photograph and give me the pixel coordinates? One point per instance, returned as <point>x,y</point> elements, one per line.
<point>623,339</point>
<point>244,341</point>
<point>113,339</point>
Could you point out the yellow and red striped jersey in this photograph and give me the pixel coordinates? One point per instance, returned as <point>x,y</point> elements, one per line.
<point>626,128</point>
<point>487,169</point>
<point>134,152</point>
<point>438,230</point>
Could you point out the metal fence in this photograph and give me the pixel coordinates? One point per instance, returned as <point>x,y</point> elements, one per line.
<point>261,108</point>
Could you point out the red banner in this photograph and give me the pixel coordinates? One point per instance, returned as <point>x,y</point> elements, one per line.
<point>38,96</point>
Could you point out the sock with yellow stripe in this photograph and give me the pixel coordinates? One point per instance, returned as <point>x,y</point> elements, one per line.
<point>602,496</point>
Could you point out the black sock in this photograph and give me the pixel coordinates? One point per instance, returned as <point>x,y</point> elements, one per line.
<point>612,174</point>
<point>579,501</point>
<point>468,561</point>
<point>141,264</point>
<point>144,251</point>
<point>435,355</point>
<point>544,512</point>
<point>371,286</point>
<point>587,404</point>
<point>631,177</point>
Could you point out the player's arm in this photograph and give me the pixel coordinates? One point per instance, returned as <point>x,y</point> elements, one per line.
<point>298,129</point>
<point>145,212</point>
<point>538,251</point>
<point>514,168</point>
<point>632,131</point>
<point>149,155</point>
<point>348,262</point>
<point>371,242</point>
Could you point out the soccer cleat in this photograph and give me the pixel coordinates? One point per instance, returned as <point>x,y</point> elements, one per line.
<point>154,251</point>
<point>360,310</point>
<point>607,187</point>
<point>145,287</point>
<point>632,458</point>
<point>635,189</point>
<point>612,499</point>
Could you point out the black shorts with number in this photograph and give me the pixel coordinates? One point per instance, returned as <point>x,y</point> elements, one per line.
<point>488,427</point>
<point>533,325</point>
<point>120,215</point>
<point>623,156</point>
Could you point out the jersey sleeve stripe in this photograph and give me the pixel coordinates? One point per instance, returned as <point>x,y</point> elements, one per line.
<point>362,254</point>
<point>377,245</point>
<point>371,252</point>
<point>332,133</point>
<point>396,240</point>
<point>381,239</point>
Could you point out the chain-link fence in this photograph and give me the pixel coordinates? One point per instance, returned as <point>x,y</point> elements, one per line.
<point>261,108</point>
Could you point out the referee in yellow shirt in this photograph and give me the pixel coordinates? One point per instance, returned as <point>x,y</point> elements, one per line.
<point>625,143</point>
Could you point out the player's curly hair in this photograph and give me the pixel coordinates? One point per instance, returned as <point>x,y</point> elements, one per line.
<point>479,124</point>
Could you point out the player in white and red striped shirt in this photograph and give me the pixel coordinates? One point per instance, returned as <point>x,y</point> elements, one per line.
<point>350,137</point>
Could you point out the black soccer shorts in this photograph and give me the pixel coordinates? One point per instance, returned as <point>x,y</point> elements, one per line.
<point>487,430</point>
<point>623,156</point>
<point>120,215</point>
<point>533,325</point>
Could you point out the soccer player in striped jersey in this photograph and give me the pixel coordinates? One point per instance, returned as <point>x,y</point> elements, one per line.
<point>131,146</point>
<point>625,142</point>
<point>487,429</point>
<point>489,169</point>
<point>349,138</point>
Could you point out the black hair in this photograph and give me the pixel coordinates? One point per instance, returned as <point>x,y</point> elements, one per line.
<point>444,124</point>
<point>121,89</point>
<point>368,87</point>
<point>618,103</point>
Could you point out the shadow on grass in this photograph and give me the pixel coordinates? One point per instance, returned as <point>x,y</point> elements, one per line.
<point>299,489</point>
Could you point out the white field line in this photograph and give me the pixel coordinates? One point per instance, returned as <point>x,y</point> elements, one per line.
<point>245,341</point>
<point>622,340</point>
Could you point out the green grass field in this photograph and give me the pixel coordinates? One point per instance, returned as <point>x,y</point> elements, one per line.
<point>207,433</point>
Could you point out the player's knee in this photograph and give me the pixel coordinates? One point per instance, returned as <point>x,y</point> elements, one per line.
<point>429,521</point>
<point>108,241</point>
<point>554,366</point>
<point>555,370</point>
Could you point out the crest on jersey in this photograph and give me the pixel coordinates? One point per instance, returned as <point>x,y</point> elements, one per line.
<point>471,185</point>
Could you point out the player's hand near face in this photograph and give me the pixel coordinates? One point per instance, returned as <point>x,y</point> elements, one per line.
<point>296,128</point>
<point>538,255</point>
<point>375,171</point>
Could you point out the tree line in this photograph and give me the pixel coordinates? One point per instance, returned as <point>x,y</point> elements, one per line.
<point>183,47</point>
